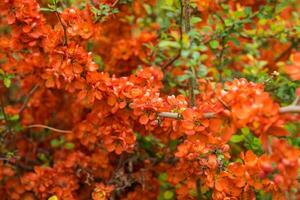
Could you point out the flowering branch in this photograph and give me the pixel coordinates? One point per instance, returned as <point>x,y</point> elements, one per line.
<point>209,115</point>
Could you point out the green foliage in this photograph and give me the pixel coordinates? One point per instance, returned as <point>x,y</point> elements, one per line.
<point>60,143</point>
<point>166,190</point>
<point>294,130</point>
<point>6,78</point>
<point>248,140</point>
<point>103,11</point>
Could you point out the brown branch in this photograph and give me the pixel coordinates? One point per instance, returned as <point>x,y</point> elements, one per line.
<point>15,162</point>
<point>64,28</point>
<point>27,98</point>
<point>187,28</point>
<point>186,16</point>
<point>48,127</point>
<point>172,60</point>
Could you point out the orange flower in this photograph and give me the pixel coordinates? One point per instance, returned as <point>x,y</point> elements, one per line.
<point>293,70</point>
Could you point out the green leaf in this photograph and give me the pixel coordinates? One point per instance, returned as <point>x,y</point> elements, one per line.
<point>14,117</point>
<point>237,138</point>
<point>54,197</point>
<point>173,144</point>
<point>69,145</point>
<point>47,9</point>
<point>202,71</point>
<point>228,22</point>
<point>163,177</point>
<point>168,194</point>
<point>183,77</point>
<point>55,143</point>
<point>169,2</point>
<point>173,44</point>
<point>248,11</point>
<point>235,41</point>
<point>7,82</point>
<point>195,20</point>
<point>214,44</point>
<point>245,131</point>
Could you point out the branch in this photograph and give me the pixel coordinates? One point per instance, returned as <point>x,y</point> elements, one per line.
<point>115,3</point>
<point>208,115</point>
<point>187,28</point>
<point>64,28</point>
<point>290,109</point>
<point>48,127</point>
<point>27,98</point>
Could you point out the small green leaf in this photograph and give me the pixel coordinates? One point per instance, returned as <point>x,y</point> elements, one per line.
<point>195,20</point>
<point>7,82</point>
<point>54,197</point>
<point>47,10</point>
<point>214,44</point>
<point>245,131</point>
<point>163,177</point>
<point>55,143</point>
<point>228,22</point>
<point>168,194</point>
<point>14,117</point>
<point>164,44</point>
<point>169,2</point>
<point>235,41</point>
<point>247,11</point>
<point>202,71</point>
<point>237,138</point>
<point>183,77</point>
<point>69,145</point>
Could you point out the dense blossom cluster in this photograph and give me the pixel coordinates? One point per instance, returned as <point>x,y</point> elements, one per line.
<point>116,141</point>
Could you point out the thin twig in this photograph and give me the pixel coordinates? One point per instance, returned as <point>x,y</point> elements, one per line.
<point>220,58</point>
<point>172,60</point>
<point>48,127</point>
<point>27,98</point>
<point>198,189</point>
<point>5,116</point>
<point>115,3</point>
<point>187,28</point>
<point>64,28</point>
